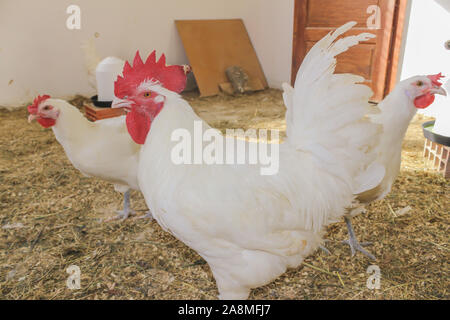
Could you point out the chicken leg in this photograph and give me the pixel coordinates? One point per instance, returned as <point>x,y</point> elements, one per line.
<point>127,211</point>
<point>353,242</point>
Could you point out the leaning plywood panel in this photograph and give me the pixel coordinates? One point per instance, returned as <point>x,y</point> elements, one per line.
<point>214,45</point>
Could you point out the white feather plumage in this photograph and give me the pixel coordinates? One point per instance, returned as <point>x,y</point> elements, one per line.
<point>101,149</point>
<point>396,112</point>
<point>248,227</point>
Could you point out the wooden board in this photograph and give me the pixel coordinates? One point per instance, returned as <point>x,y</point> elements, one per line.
<point>375,60</point>
<point>93,113</point>
<point>214,45</point>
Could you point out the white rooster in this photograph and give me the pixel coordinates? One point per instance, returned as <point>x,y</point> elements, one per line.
<point>396,112</point>
<point>250,227</point>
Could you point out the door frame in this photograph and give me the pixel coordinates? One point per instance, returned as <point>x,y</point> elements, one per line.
<point>394,13</point>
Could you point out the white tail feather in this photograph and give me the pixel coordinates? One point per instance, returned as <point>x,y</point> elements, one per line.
<point>326,113</point>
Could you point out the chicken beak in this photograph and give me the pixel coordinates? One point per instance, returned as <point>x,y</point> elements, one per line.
<point>121,103</point>
<point>32,117</point>
<point>440,91</point>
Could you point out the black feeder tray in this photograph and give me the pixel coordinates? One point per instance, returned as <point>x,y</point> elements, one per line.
<point>101,104</point>
<point>430,135</point>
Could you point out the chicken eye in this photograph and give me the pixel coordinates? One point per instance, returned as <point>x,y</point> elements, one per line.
<point>419,83</point>
<point>46,108</point>
<point>147,95</point>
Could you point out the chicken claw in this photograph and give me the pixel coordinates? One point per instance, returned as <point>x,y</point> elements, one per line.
<point>147,215</point>
<point>126,212</point>
<point>353,242</point>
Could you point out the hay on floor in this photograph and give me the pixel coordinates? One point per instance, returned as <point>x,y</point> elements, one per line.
<point>50,218</point>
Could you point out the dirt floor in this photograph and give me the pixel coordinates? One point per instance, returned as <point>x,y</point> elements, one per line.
<point>51,218</point>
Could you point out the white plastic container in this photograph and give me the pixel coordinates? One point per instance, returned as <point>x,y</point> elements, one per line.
<point>107,72</point>
<point>442,124</point>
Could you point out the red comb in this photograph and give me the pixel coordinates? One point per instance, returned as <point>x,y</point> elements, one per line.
<point>435,79</point>
<point>172,78</point>
<point>33,109</point>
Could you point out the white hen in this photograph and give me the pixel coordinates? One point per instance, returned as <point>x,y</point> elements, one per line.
<point>396,112</point>
<point>250,227</point>
<point>101,149</point>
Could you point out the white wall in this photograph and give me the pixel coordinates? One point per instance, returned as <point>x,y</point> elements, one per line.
<point>270,24</point>
<point>424,52</point>
<point>38,54</point>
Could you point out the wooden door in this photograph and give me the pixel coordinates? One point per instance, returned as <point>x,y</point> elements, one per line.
<point>376,59</point>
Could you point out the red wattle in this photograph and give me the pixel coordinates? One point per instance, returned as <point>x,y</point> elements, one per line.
<point>46,122</point>
<point>424,101</point>
<point>138,125</point>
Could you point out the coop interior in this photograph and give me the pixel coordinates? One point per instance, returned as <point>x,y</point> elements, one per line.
<point>238,58</point>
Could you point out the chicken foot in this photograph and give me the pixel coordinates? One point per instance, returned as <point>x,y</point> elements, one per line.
<point>127,211</point>
<point>353,242</point>
<point>148,215</point>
